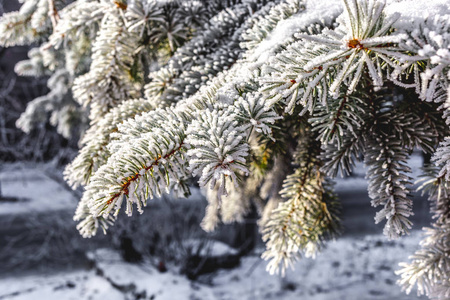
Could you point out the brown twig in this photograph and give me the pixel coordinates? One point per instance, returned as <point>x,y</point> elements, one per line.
<point>53,13</point>
<point>124,190</point>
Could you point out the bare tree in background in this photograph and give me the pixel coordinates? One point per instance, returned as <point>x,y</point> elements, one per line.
<point>15,92</point>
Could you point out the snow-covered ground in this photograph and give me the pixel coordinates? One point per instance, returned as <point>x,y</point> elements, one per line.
<point>347,269</point>
<point>34,189</point>
<point>356,266</point>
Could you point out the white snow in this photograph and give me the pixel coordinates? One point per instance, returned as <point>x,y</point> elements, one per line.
<point>163,286</point>
<point>36,191</point>
<point>327,10</point>
<point>416,10</point>
<point>57,287</point>
<point>350,268</point>
<point>212,248</point>
<point>286,28</point>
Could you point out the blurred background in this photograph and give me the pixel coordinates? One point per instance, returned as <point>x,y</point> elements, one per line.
<point>163,254</point>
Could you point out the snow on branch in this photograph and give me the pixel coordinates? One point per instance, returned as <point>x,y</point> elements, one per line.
<point>428,269</point>
<point>109,80</point>
<point>261,101</point>
<point>308,216</point>
<point>388,183</point>
<point>217,148</point>
<point>94,152</point>
<point>142,168</point>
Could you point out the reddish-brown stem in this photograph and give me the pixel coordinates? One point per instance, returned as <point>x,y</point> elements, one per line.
<point>124,189</point>
<point>338,114</point>
<point>53,13</point>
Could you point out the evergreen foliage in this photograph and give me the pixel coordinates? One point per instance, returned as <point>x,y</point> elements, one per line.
<point>265,102</point>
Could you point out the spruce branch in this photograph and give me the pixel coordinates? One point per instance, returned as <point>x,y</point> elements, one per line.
<point>159,81</point>
<point>269,88</point>
<point>428,41</point>
<point>429,265</point>
<point>385,158</point>
<point>442,158</point>
<point>95,153</point>
<point>109,79</point>
<point>364,39</point>
<point>320,64</point>
<point>53,13</point>
<point>341,115</point>
<point>217,148</point>
<point>307,217</point>
<point>56,104</point>
<point>34,66</point>
<point>142,16</point>
<point>265,23</point>
<point>343,126</point>
<point>411,130</point>
<point>89,224</point>
<point>140,169</point>
<point>200,59</point>
<point>76,19</point>
<point>226,208</point>
<point>251,110</point>
<point>16,27</point>
<point>341,158</point>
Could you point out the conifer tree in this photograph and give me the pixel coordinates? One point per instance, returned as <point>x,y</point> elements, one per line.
<point>264,102</point>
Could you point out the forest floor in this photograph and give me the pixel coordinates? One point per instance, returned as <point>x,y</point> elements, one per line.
<point>350,268</point>
<point>359,265</point>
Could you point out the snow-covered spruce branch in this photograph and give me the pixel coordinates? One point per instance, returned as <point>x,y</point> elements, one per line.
<point>141,17</point>
<point>34,66</point>
<point>94,152</point>
<point>233,87</point>
<point>343,114</point>
<point>79,18</point>
<point>109,80</point>
<point>89,224</point>
<point>356,125</point>
<point>389,142</point>
<point>58,104</point>
<point>437,188</point>
<point>142,168</point>
<point>429,41</point>
<point>385,158</point>
<point>203,57</point>
<point>229,208</point>
<point>217,148</point>
<point>217,152</point>
<point>200,59</point>
<point>385,137</point>
<point>307,217</point>
<point>341,158</point>
<point>442,158</point>
<point>320,64</point>
<point>252,111</point>
<point>166,86</point>
<point>61,66</point>
<point>414,131</point>
<point>264,24</point>
<point>415,126</point>
<point>429,265</point>
<point>428,269</point>
<point>83,20</point>
<point>24,26</point>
